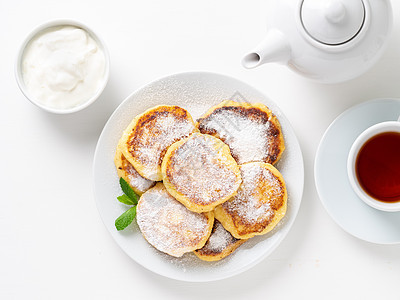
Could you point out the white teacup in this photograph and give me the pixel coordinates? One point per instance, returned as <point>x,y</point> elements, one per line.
<point>390,126</point>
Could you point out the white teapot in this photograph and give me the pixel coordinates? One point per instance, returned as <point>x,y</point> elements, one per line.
<point>329,41</point>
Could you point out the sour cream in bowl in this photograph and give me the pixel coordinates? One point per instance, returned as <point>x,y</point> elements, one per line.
<point>62,66</point>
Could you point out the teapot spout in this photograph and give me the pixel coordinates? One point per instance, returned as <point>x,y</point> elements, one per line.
<point>274,48</point>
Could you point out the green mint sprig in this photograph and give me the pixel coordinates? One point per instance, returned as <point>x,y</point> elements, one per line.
<point>128,191</point>
<point>129,198</point>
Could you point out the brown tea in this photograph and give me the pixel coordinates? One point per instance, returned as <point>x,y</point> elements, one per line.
<point>378,167</point>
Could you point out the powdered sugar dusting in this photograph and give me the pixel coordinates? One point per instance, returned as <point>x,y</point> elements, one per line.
<point>250,137</point>
<point>137,181</point>
<point>219,240</point>
<point>253,203</point>
<point>167,224</point>
<point>129,173</point>
<point>150,140</point>
<point>202,171</point>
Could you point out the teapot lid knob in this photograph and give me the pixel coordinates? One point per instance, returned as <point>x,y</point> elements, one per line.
<point>335,11</point>
<point>332,22</point>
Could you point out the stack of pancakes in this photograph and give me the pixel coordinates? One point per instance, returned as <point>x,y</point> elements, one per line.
<point>207,186</point>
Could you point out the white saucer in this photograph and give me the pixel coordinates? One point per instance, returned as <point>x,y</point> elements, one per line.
<point>333,186</point>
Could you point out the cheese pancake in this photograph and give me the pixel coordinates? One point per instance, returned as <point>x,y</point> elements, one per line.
<point>168,225</point>
<point>200,172</point>
<point>131,176</point>
<point>251,131</point>
<point>259,204</point>
<point>146,139</point>
<point>219,245</point>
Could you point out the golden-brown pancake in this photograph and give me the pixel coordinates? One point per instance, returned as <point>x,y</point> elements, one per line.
<point>259,204</point>
<point>200,172</point>
<point>219,245</point>
<point>128,172</point>
<point>146,139</point>
<point>251,131</point>
<point>168,225</point>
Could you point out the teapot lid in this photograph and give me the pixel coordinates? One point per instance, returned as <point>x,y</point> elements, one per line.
<point>332,22</point>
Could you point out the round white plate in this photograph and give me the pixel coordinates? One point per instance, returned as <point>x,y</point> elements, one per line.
<point>196,92</point>
<point>333,186</point>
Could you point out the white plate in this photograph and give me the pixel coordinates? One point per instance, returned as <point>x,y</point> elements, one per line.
<point>333,186</point>
<point>196,92</point>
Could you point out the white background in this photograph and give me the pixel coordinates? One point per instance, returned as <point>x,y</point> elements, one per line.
<point>53,244</point>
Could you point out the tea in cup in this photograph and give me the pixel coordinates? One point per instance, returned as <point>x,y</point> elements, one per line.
<point>373,166</point>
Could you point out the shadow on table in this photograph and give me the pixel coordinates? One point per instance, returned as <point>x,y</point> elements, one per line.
<point>86,125</point>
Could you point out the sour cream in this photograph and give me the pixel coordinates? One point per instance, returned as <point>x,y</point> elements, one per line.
<point>63,67</point>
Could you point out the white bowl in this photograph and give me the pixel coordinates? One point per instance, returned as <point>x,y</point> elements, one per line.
<point>37,30</point>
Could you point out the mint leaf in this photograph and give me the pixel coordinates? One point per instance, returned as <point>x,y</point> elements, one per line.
<point>125,219</point>
<point>126,188</point>
<point>125,199</point>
